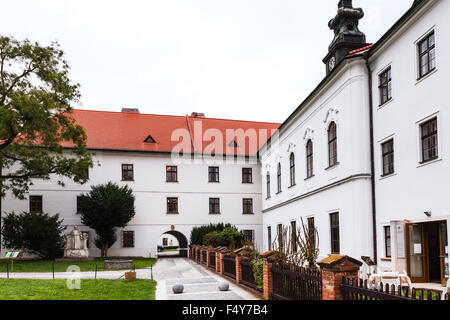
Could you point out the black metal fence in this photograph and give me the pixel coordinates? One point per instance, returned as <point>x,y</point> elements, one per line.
<point>204,257</point>
<point>357,289</point>
<point>198,256</point>
<point>295,283</point>
<point>212,260</point>
<point>229,266</point>
<point>248,277</point>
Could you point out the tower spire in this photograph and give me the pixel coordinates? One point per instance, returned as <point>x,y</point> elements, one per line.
<point>347,35</point>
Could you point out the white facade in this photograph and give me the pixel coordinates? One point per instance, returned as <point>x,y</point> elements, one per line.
<point>151,191</point>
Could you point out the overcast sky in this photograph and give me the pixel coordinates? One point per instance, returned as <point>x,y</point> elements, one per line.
<point>236,59</point>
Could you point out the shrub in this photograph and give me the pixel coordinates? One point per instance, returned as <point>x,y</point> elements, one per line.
<point>198,233</point>
<point>229,237</point>
<point>34,233</point>
<point>258,272</point>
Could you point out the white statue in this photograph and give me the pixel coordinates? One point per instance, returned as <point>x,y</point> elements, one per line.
<point>76,244</point>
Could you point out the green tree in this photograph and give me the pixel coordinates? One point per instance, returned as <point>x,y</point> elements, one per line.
<point>35,233</point>
<point>105,208</point>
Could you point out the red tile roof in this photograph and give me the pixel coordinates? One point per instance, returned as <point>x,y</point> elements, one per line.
<point>127,131</point>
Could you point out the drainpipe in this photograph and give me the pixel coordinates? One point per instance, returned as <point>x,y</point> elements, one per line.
<point>372,162</point>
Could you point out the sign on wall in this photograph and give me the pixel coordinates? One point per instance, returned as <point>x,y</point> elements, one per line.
<point>401,249</point>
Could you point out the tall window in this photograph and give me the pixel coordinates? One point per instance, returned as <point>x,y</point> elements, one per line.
<point>172,174</point>
<point>214,205</point>
<point>309,159</point>
<point>35,204</point>
<point>127,172</point>
<point>385,86</point>
<point>292,169</point>
<point>213,174</point>
<point>332,144</point>
<point>294,236</point>
<point>280,236</point>
<point>334,223</point>
<point>172,205</point>
<point>279,177</point>
<point>427,55</point>
<point>387,241</point>
<point>429,140</point>
<point>128,239</point>
<point>247,175</point>
<point>388,157</point>
<point>311,230</point>
<point>268,184</point>
<point>79,200</point>
<point>269,238</point>
<point>247,206</point>
<point>248,236</point>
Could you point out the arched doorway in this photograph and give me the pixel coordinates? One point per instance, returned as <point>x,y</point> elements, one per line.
<point>182,242</point>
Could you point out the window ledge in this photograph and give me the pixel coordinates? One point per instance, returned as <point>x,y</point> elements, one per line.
<point>247,183</point>
<point>294,185</point>
<point>127,180</point>
<point>333,166</point>
<point>309,178</point>
<point>422,164</point>
<point>213,181</point>
<point>429,74</point>
<point>173,213</point>
<point>278,193</point>
<point>248,214</point>
<point>385,103</point>
<point>215,213</point>
<point>386,176</point>
<point>268,198</point>
<point>386,259</point>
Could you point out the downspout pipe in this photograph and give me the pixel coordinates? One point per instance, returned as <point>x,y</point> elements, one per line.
<point>372,161</point>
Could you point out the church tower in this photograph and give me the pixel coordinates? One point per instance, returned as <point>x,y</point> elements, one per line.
<point>347,36</point>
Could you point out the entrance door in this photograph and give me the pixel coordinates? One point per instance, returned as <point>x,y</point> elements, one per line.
<point>443,237</point>
<point>417,268</point>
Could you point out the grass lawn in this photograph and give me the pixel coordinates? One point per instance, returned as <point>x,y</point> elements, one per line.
<point>46,266</point>
<point>90,290</point>
<point>170,250</point>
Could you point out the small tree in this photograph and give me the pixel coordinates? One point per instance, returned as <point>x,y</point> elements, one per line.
<point>105,208</point>
<point>34,233</point>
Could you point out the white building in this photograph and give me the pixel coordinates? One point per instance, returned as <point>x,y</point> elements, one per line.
<point>377,124</point>
<point>172,195</point>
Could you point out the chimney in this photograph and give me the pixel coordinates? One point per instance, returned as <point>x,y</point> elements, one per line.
<point>197,115</point>
<point>130,110</point>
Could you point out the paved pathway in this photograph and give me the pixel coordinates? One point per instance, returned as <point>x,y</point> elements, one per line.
<point>199,283</point>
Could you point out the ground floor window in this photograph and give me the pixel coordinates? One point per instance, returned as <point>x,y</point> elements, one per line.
<point>334,224</point>
<point>387,241</point>
<point>35,204</point>
<point>128,239</point>
<point>269,238</point>
<point>248,236</point>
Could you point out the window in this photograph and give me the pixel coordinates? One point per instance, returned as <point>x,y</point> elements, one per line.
<point>171,174</point>
<point>388,157</point>
<point>387,241</point>
<point>86,173</point>
<point>35,204</point>
<point>268,184</point>
<point>292,169</point>
<point>79,199</point>
<point>334,223</point>
<point>214,205</point>
<point>248,236</point>
<point>172,205</point>
<point>279,178</point>
<point>309,159</point>
<point>332,145</point>
<point>247,206</point>
<point>385,86</point>
<point>429,140</point>
<point>427,55</point>
<point>128,239</point>
<point>213,174</point>
<point>280,236</point>
<point>247,175</point>
<point>127,172</point>
<point>165,242</point>
<point>269,238</point>
<point>293,236</point>
<point>312,230</point>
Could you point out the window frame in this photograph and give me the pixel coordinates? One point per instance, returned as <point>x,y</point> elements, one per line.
<point>126,169</point>
<point>268,185</point>
<point>387,241</point>
<point>168,199</point>
<point>292,169</point>
<point>335,228</point>
<point>294,247</point>
<point>214,203</point>
<point>252,232</point>
<point>309,159</point>
<point>246,205</point>
<point>421,54</point>
<point>280,236</point>
<point>32,203</point>
<point>78,204</point>
<point>247,173</point>
<point>279,186</point>
<point>172,173</point>
<point>132,239</point>
<point>269,237</point>
<point>385,154</point>
<point>385,83</point>
<point>311,227</point>
<point>213,174</point>
<point>332,142</point>
<point>429,136</point>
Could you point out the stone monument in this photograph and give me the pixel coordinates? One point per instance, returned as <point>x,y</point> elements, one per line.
<point>76,245</point>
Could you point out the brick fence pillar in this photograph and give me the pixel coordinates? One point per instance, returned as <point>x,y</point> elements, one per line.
<point>267,280</point>
<point>333,269</point>
<point>208,251</point>
<point>217,262</point>
<point>238,269</point>
<point>221,263</point>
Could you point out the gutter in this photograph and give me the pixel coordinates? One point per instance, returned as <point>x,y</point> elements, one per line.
<point>372,161</point>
